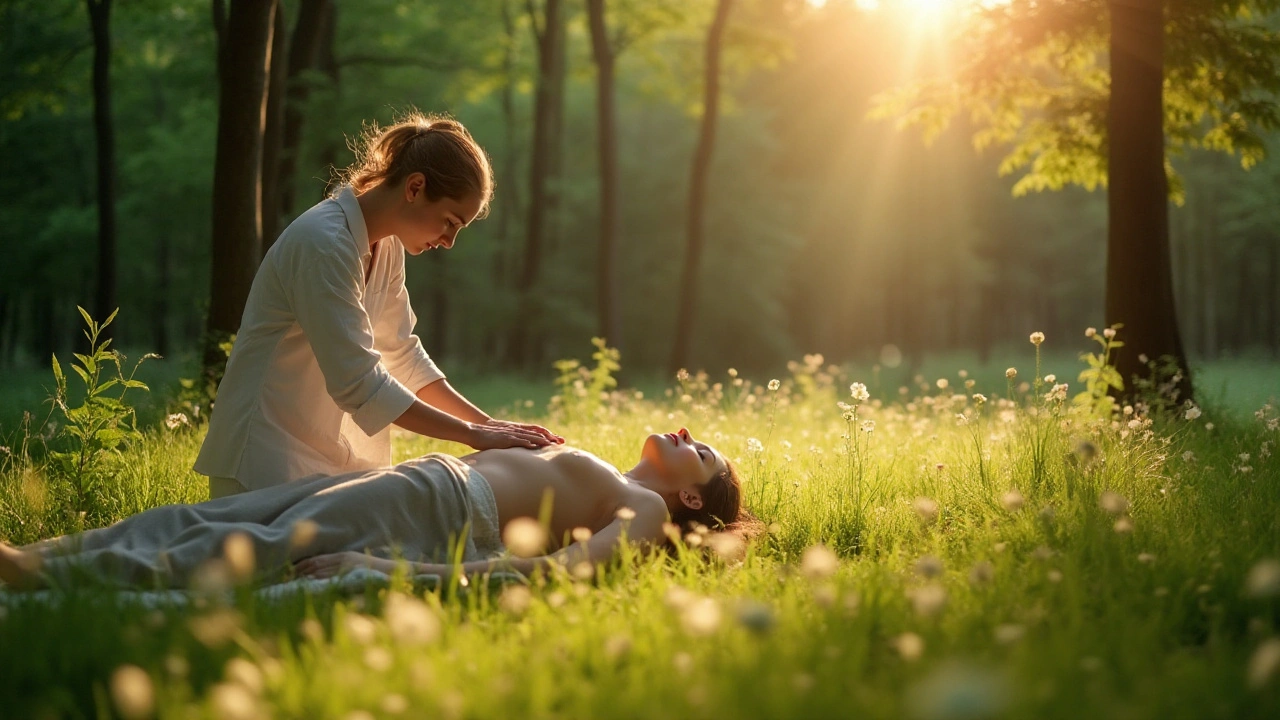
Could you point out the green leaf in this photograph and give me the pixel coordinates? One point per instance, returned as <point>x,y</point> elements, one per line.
<point>105,386</point>
<point>137,384</point>
<point>110,317</point>
<point>83,375</point>
<point>87,319</point>
<point>58,377</point>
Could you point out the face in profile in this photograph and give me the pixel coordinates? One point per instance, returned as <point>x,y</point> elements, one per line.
<point>682,461</point>
<point>430,224</point>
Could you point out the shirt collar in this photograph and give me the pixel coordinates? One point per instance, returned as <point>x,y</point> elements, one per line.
<point>346,198</point>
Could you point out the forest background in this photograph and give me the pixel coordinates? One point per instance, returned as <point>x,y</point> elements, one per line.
<point>825,231</point>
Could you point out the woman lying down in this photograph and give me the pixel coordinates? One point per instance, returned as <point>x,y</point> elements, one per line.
<point>417,511</point>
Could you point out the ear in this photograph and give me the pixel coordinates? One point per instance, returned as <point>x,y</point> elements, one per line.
<point>691,500</point>
<point>415,186</point>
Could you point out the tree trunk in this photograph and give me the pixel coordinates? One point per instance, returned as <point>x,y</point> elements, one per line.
<point>243,62</point>
<point>314,19</point>
<point>688,305</point>
<point>327,63</point>
<point>100,23</point>
<point>1139,282</point>
<point>160,310</point>
<point>610,327</point>
<point>273,129</point>
<point>542,199</point>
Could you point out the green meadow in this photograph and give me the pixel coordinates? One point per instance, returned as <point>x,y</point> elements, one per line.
<point>957,546</point>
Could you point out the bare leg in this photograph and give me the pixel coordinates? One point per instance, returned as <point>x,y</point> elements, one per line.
<point>19,569</point>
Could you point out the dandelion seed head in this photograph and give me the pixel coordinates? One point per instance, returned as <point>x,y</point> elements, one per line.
<point>174,421</point>
<point>926,509</point>
<point>625,514</point>
<point>1263,663</point>
<point>1051,378</point>
<point>302,534</point>
<point>1123,525</point>
<point>132,692</point>
<point>524,537</point>
<point>818,562</point>
<point>928,600</point>
<point>858,392</point>
<point>942,383</point>
<point>1263,580</point>
<point>1113,502</point>
<point>360,628</point>
<point>410,620</point>
<point>701,617</point>
<point>774,385</point>
<point>910,646</point>
<point>1146,558</point>
<point>754,446</point>
<point>238,552</point>
<point>1192,413</point>
<point>1090,332</point>
<point>1011,373</point>
<point>232,701</point>
<point>1109,333</point>
<point>1037,338</point>
<point>515,600</point>
<point>729,546</point>
<point>1012,500</point>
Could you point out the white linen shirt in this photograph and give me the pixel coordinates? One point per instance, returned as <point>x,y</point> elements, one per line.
<point>324,362</point>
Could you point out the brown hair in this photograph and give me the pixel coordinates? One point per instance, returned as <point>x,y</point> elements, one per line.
<point>721,507</point>
<point>439,147</point>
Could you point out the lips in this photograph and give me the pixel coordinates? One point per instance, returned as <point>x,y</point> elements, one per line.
<point>675,439</point>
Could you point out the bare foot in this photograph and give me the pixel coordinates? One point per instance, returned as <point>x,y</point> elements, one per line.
<point>19,569</point>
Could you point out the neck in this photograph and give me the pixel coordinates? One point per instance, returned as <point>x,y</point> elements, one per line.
<point>646,476</point>
<point>375,205</point>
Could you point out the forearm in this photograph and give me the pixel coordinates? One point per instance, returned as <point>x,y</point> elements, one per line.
<point>425,419</point>
<point>441,395</point>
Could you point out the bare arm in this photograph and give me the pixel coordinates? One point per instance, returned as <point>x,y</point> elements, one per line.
<point>441,395</point>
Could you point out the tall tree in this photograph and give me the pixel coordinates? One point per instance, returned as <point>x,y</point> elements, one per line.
<point>1139,284</point>
<point>549,34</point>
<point>602,50</point>
<point>687,308</point>
<point>305,43</point>
<point>244,60</point>
<point>273,127</point>
<point>1182,73</point>
<point>104,133</point>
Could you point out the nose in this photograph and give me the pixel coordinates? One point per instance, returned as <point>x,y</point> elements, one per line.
<point>684,433</point>
<point>447,241</point>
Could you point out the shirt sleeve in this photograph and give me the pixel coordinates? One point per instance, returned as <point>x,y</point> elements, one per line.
<point>401,349</point>
<point>325,290</point>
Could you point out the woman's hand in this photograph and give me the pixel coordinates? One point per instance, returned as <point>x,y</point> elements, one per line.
<point>497,434</point>
<point>327,566</point>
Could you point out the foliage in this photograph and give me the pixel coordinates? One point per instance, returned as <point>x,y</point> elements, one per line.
<point>583,389</point>
<point>1101,379</point>
<point>102,426</point>
<point>1033,76</point>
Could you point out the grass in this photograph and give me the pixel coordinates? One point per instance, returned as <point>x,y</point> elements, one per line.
<point>1116,588</point>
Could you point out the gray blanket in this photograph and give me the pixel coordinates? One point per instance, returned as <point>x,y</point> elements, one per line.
<point>429,509</point>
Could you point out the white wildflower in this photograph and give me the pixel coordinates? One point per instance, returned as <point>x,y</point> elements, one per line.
<point>1192,413</point>
<point>858,392</point>
<point>132,692</point>
<point>774,385</point>
<point>1264,579</point>
<point>524,537</point>
<point>818,562</point>
<point>1037,338</point>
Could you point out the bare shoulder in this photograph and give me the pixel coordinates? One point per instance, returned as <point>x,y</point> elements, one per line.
<point>648,506</point>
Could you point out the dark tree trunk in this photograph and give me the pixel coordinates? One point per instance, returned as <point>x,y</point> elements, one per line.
<point>314,19</point>
<point>100,22</point>
<point>542,198</point>
<point>688,304</point>
<point>1139,273</point>
<point>244,58</point>
<point>327,63</point>
<point>273,129</point>
<point>503,257</point>
<point>610,323</point>
<point>1273,297</point>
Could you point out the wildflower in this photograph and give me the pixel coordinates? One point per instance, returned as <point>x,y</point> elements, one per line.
<point>727,545</point>
<point>1208,426</point>
<point>233,702</point>
<point>525,537</point>
<point>1123,525</point>
<point>378,659</point>
<point>979,399</point>
<point>943,383</point>
<point>1037,338</point>
<point>1263,663</point>
<point>682,375</point>
<point>868,426</point>
<point>132,692</point>
<point>1264,579</point>
<point>625,514</point>
<point>1090,332</point>
<point>754,446</point>
<point>1146,558</point>
<point>929,600</point>
<point>774,385</point>
<point>1192,413</point>
<point>961,419</point>
<point>394,704</point>
<point>1188,457</point>
<point>858,392</point>
<point>909,645</point>
<point>1009,633</point>
<point>302,534</point>
<point>982,573</point>
<point>818,562</point>
<point>617,646</point>
<point>1113,503</point>
<point>733,372</point>
<point>245,674</point>
<point>701,617</point>
<point>237,549</point>
<point>515,599</point>
<point>1011,373</point>
<point>677,597</point>
<point>1054,575</point>
<point>410,621</point>
<point>216,628</point>
<point>176,420</point>
<point>1050,378</point>
<point>929,566</point>
<point>926,508</point>
<point>1109,333</point>
<point>360,628</point>
<point>824,596</point>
